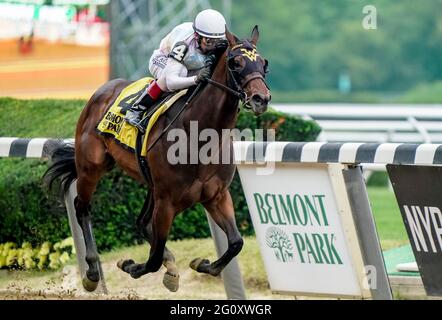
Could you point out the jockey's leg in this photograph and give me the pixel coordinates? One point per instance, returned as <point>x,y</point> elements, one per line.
<point>157,63</point>
<point>144,102</point>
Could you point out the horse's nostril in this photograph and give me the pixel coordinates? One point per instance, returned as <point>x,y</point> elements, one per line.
<point>258,99</point>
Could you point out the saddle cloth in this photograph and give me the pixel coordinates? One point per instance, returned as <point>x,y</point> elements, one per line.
<point>113,125</point>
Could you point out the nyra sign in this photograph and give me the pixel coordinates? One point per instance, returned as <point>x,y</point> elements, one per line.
<point>303,223</point>
<point>417,190</point>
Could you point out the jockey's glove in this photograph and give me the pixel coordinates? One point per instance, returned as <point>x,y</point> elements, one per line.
<point>221,45</point>
<point>210,60</point>
<point>203,75</point>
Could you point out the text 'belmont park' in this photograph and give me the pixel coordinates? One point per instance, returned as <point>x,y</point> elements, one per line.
<point>314,241</point>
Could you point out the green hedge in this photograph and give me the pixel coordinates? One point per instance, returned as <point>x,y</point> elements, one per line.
<point>28,213</point>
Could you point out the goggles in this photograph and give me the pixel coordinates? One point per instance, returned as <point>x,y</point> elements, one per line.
<point>210,41</point>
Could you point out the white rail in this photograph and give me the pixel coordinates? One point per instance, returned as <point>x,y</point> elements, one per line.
<point>401,123</point>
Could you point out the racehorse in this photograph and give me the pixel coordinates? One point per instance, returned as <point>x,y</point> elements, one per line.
<point>239,74</point>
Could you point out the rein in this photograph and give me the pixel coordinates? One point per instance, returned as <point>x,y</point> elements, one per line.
<point>198,88</point>
<point>239,94</point>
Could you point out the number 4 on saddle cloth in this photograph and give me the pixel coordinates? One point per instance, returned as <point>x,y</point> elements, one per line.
<point>112,123</point>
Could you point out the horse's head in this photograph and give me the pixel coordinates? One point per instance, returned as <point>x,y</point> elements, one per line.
<point>248,70</point>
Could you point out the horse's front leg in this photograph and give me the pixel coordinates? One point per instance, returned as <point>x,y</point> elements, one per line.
<point>162,219</point>
<point>221,210</point>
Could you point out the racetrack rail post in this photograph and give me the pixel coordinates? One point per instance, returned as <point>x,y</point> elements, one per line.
<point>79,243</point>
<point>367,232</point>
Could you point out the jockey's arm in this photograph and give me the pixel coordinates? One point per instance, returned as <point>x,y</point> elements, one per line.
<point>175,76</point>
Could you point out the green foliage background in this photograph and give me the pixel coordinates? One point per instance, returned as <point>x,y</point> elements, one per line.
<point>28,213</point>
<point>310,43</point>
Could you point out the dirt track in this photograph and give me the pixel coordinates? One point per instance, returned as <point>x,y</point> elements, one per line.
<point>52,70</point>
<point>65,285</point>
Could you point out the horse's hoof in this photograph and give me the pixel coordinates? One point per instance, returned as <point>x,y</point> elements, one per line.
<point>88,284</point>
<point>136,272</point>
<point>124,263</point>
<point>200,264</point>
<point>195,263</point>
<point>171,281</point>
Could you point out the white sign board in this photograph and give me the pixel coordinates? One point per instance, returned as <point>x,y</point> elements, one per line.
<point>306,235</point>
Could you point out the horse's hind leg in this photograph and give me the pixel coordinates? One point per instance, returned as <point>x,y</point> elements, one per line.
<point>144,224</point>
<point>162,218</point>
<point>222,212</point>
<point>91,163</point>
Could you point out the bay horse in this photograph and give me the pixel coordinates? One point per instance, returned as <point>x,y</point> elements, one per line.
<point>239,74</point>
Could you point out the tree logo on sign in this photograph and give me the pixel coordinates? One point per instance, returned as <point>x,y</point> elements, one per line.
<point>280,242</point>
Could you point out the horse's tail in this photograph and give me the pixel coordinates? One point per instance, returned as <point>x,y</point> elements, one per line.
<point>62,170</point>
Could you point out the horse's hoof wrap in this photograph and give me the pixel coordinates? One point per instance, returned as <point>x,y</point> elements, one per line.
<point>88,284</point>
<point>197,263</point>
<point>171,281</point>
<point>123,263</point>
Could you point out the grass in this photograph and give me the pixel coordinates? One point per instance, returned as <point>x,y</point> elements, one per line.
<point>325,96</point>
<point>388,218</point>
<point>120,285</point>
<point>39,118</point>
<point>424,93</point>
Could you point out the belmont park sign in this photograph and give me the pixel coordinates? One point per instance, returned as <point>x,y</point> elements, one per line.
<point>297,210</point>
<point>303,222</point>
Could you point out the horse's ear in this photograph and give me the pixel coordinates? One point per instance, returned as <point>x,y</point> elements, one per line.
<point>230,38</point>
<point>255,35</point>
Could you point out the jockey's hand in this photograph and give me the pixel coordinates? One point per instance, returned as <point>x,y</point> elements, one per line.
<point>209,60</point>
<point>221,45</point>
<point>203,75</point>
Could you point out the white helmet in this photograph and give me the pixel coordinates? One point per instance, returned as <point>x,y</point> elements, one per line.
<point>210,23</point>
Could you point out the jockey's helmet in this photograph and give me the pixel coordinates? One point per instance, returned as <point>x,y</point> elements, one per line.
<point>210,23</point>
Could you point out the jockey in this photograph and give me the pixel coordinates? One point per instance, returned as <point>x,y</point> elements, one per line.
<point>180,60</point>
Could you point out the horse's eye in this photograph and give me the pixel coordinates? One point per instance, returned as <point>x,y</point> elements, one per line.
<point>234,64</point>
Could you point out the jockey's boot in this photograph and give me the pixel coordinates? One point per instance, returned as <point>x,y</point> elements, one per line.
<point>134,115</point>
<point>144,102</point>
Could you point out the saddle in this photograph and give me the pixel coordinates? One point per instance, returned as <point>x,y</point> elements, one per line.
<point>112,124</point>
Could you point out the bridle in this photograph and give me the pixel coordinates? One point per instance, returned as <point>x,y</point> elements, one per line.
<point>238,85</point>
